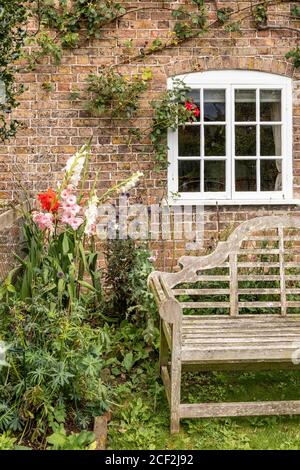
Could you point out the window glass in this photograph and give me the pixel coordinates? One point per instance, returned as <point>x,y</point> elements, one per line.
<point>270,105</point>
<point>214,105</point>
<point>214,176</point>
<point>189,141</point>
<point>270,141</point>
<point>245,175</point>
<point>215,141</point>
<point>189,176</point>
<point>245,141</point>
<point>245,105</point>
<point>270,175</point>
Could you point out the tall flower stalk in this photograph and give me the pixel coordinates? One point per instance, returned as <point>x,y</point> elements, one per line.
<point>56,235</point>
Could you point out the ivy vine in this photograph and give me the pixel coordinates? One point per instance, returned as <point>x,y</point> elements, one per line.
<point>13,17</point>
<point>114,94</point>
<point>174,109</point>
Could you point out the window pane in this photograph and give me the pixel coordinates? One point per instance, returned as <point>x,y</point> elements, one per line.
<point>188,176</point>
<point>245,105</point>
<point>270,141</point>
<point>214,105</point>
<point>245,141</point>
<point>189,141</point>
<point>270,105</point>
<point>193,96</point>
<point>215,141</point>
<point>270,175</point>
<point>214,176</point>
<point>245,175</point>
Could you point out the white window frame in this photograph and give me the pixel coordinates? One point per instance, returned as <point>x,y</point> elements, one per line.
<point>230,80</point>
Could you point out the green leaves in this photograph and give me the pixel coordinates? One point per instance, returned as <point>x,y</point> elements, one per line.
<point>75,441</point>
<point>169,113</point>
<point>128,361</point>
<point>58,265</point>
<point>13,18</point>
<point>223,14</point>
<point>295,56</point>
<point>115,94</point>
<point>260,15</point>
<point>65,244</point>
<point>295,11</point>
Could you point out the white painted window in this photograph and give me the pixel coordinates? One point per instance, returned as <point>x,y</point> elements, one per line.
<point>240,149</point>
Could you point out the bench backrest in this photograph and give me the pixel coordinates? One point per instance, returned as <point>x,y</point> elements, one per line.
<point>257,270</point>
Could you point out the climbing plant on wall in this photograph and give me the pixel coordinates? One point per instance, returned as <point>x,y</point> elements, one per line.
<point>13,16</point>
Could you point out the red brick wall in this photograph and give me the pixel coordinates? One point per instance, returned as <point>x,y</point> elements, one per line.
<point>55,127</point>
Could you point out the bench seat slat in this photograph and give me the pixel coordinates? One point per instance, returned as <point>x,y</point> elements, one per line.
<point>233,334</point>
<point>193,339</point>
<point>246,339</point>
<point>246,355</point>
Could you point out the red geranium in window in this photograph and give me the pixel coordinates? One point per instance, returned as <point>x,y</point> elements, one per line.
<point>193,108</point>
<point>189,106</point>
<point>49,201</point>
<point>196,111</point>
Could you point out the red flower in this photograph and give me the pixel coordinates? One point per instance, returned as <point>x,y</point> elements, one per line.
<point>188,105</point>
<point>196,111</point>
<point>193,108</point>
<point>49,200</point>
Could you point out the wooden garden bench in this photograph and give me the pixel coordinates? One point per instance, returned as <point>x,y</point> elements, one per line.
<point>247,296</point>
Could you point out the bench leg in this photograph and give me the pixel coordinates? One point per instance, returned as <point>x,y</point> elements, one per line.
<point>164,349</point>
<point>175,392</point>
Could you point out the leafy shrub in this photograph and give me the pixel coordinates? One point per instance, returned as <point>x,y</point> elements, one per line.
<point>55,359</point>
<point>7,442</point>
<point>127,269</point>
<point>85,440</point>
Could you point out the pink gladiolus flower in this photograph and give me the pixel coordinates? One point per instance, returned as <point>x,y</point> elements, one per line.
<point>76,222</point>
<point>65,194</point>
<point>71,200</point>
<point>43,221</point>
<point>67,218</point>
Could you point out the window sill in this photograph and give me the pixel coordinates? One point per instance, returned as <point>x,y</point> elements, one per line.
<point>227,202</point>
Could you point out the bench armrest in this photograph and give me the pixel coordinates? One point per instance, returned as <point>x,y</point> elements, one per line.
<point>170,311</point>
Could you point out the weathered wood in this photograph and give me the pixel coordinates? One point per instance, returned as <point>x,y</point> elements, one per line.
<point>175,365</point>
<point>165,344</point>
<point>201,291</point>
<point>234,299</point>
<point>232,340</point>
<point>100,430</point>
<point>205,304</point>
<point>260,408</point>
<point>168,334</point>
<point>167,382</point>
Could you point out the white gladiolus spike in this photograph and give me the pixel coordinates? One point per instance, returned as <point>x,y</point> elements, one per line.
<point>75,166</point>
<point>91,215</point>
<point>132,182</point>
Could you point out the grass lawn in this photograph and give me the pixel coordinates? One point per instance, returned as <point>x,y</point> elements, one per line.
<point>141,416</point>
